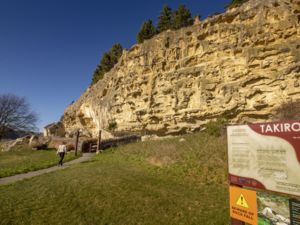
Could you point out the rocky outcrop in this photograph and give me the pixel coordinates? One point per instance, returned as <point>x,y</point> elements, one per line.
<point>30,141</point>
<point>241,64</point>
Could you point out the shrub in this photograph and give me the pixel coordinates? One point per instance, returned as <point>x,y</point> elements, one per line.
<point>215,127</point>
<point>112,125</point>
<point>40,146</point>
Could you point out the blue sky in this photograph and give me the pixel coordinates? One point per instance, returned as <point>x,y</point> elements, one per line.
<point>50,48</point>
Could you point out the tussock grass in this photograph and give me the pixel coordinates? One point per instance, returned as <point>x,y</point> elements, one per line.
<point>197,156</point>
<point>154,182</point>
<point>23,159</point>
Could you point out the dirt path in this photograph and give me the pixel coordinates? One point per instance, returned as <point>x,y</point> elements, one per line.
<point>6,180</point>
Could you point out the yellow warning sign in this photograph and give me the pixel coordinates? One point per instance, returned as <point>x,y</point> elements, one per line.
<point>242,201</point>
<point>243,205</point>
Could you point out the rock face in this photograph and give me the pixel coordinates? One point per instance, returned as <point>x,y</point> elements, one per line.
<point>241,64</point>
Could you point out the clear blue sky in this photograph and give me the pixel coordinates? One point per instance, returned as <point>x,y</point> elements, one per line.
<point>50,48</point>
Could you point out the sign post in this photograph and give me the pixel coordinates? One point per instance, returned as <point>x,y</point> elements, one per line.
<point>264,158</point>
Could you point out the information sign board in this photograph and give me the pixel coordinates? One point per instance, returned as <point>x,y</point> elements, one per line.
<point>265,156</point>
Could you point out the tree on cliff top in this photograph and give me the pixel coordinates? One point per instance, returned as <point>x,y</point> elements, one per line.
<point>107,62</point>
<point>165,19</point>
<point>236,2</point>
<point>182,18</point>
<point>98,74</point>
<point>15,114</point>
<point>147,31</point>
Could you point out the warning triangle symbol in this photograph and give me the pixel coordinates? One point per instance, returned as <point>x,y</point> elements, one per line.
<point>242,202</point>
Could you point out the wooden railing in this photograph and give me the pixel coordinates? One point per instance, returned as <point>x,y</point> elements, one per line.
<point>91,145</point>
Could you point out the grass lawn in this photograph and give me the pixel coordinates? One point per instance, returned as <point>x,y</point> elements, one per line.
<point>154,182</point>
<point>25,160</point>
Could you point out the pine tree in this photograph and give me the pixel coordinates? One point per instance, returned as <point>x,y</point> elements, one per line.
<point>182,17</point>
<point>165,19</point>
<point>98,74</point>
<point>147,31</point>
<point>115,53</point>
<point>107,62</point>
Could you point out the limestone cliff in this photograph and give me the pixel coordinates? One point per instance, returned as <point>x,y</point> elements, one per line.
<point>243,63</point>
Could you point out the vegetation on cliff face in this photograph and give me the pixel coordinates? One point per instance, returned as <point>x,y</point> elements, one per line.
<point>107,62</point>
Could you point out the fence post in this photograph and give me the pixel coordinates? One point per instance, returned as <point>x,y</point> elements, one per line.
<point>76,142</point>
<point>99,141</point>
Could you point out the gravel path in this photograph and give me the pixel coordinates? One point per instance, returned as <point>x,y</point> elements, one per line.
<point>6,180</point>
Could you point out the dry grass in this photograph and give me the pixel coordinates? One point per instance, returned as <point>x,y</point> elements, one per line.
<point>200,156</point>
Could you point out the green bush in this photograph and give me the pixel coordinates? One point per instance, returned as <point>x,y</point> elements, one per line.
<point>112,125</point>
<point>215,127</point>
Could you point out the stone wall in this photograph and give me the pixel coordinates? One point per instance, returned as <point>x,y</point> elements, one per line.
<point>241,64</point>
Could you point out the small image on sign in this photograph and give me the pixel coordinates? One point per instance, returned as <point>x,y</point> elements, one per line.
<point>243,205</point>
<point>272,209</point>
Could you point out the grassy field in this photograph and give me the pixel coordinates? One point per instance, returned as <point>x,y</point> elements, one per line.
<point>169,181</point>
<point>21,160</point>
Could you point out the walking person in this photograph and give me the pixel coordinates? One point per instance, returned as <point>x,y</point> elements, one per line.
<point>61,151</point>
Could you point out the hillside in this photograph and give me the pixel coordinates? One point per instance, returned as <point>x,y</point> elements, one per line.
<point>242,65</point>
